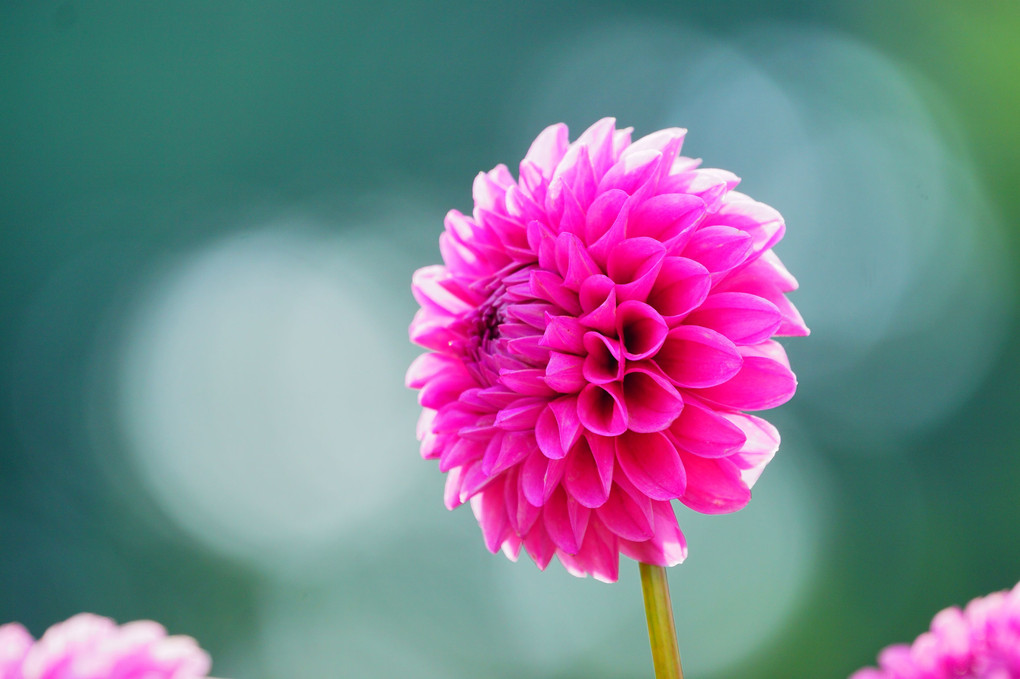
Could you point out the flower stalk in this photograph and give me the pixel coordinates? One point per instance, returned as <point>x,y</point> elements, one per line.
<point>661,629</point>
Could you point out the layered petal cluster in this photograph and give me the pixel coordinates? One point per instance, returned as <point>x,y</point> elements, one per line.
<point>981,641</point>
<point>92,647</point>
<point>596,332</point>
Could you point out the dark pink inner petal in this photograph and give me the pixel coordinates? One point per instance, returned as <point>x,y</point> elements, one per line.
<point>549,286</point>
<point>652,464</point>
<point>587,477</point>
<point>760,384</point>
<point>702,431</point>
<point>696,357</point>
<point>633,265</point>
<point>682,284</point>
<point>715,486</point>
<point>603,363</point>
<point>641,329</point>
<point>718,248</point>
<point>601,409</point>
<point>744,318</point>
<point>652,402</point>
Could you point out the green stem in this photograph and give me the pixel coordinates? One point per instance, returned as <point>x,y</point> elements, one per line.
<point>661,631</point>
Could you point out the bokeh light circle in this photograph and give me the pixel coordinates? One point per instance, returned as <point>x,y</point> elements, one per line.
<point>257,396</point>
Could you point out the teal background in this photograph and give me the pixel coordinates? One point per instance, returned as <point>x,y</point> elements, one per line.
<point>137,138</point>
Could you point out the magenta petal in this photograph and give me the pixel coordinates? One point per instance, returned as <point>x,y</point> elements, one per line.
<point>463,452</point>
<point>761,383</point>
<point>522,513</point>
<point>634,265</point>
<point>667,218</point>
<point>490,510</point>
<point>745,319</point>
<point>547,434</point>
<point>514,447</point>
<point>563,372</point>
<point>565,520</point>
<point>602,409</point>
<point>695,357</point>
<point>716,486</point>
<point>528,382</point>
<point>521,416</point>
<point>602,317</point>
<point>595,291</point>
<point>641,329</point>
<point>603,214</point>
<point>652,464</point>
<point>565,334</point>
<point>589,473</point>
<point>668,547</point>
<point>573,261</point>
<point>682,285</point>
<point>703,432</point>
<point>549,148</point>
<point>539,477</point>
<point>632,171</point>
<point>603,363</point>
<point>652,402</point>
<point>549,286</point>
<point>629,516</point>
<point>718,248</point>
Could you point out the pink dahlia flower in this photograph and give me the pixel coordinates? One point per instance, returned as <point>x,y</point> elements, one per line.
<point>980,642</point>
<point>91,647</point>
<point>597,330</point>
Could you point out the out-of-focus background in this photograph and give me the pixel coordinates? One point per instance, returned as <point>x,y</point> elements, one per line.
<point>209,216</point>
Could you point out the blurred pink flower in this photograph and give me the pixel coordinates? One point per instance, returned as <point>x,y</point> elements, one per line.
<point>980,642</point>
<point>597,329</point>
<point>91,647</point>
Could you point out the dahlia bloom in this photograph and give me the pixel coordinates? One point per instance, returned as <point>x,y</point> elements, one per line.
<point>596,332</point>
<point>980,642</point>
<point>91,647</point>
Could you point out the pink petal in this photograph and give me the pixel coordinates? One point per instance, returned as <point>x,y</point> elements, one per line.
<point>513,448</point>
<point>549,148</point>
<point>668,218</point>
<point>714,486</point>
<point>463,452</point>
<point>603,214</point>
<point>565,520</point>
<point>539,477</point>
<point>641,329</point>
<point>539,546</point>
<point>563,372</point>
<point>522,514</point>
<point>761,383</point>
<point>652,402</point>
<point>704,432</point>
<point>603,363</point>
<point>443,386</point>
<point>694,357</point>
<point>602,409</point>
<point>603,316</point>
<point>549,286</point>
<point>529,382</point>
<point>589,473</point>
<point>565,334</point>
<point>558,427</point>
<point>632,171</point>
<point>682,285</point>
<point>718,248</point>
<point>652,464</point>
<point>659,141</point>
<point>667,546</point>
<point>628,514</point>
<point>573,261</point>
<point>634,265</point>
<point>490,509</point>
<point>744,318</point>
